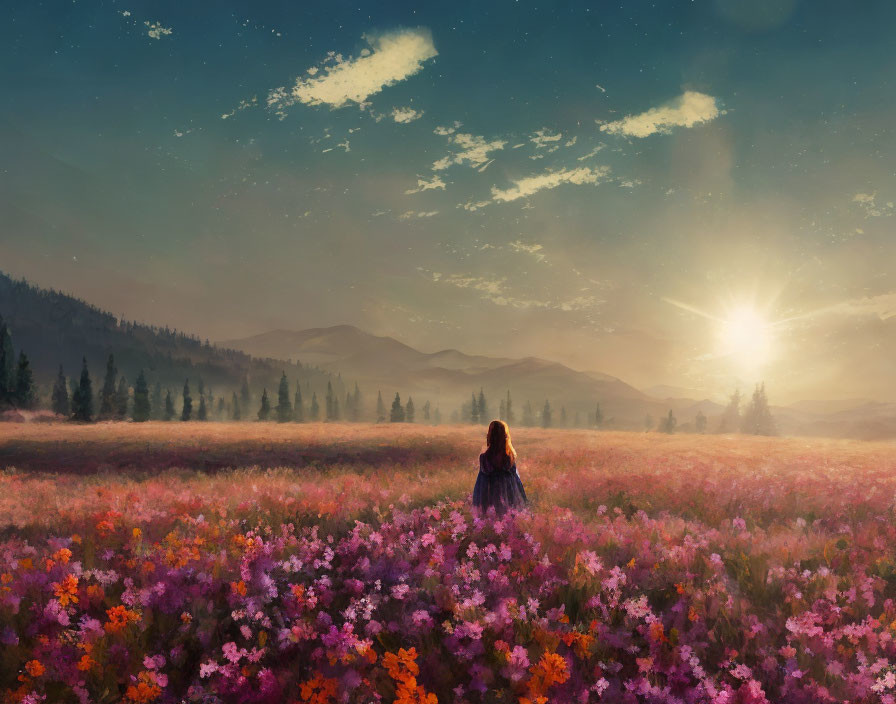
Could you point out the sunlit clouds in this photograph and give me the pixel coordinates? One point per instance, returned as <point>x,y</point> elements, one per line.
<point>689,109</point>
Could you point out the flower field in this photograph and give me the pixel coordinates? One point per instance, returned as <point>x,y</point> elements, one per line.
<point>342,563</point>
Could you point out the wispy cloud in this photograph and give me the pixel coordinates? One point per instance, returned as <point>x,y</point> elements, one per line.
<point>392,57</point>
<point>687,110</point>
<point>155,29</point>
<point>414,214</point>
<point>534,249</point>
<point>405,115</point>
<point>443,131</point>
<point>473,150</point>
<point>497,291</point>
<point>873,209</point>
<point>543,138</point>
<point>423,185</point>
<point>525,187</point>
<point>242,106</point>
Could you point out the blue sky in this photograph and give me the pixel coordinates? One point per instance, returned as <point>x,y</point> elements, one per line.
<point>608,185</point>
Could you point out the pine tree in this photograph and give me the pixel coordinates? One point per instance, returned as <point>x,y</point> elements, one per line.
<point>298,407</point>
<point>156,410</point>
<point>730,420</point>
<point>483,409</point>
<point>141,399</point>
<point>380,408</point>
<point>474,410</point>
<point>202,412</point>
<point>7,371</point>
<point>82,398</point>
<point>757,419</point>
<point>669,423</point>
<point>508,409</point>
<point>235,407</point>
<point>700,422</point>
<point>107,394</point>
<point>314,409</point>
<point>329,401</point>
<point>265,410</point>
<point>356,404</point>
<point>245,396</point>
<point>397,414</point>
<point>426,415</point>
<point>61,405</point>
<point>169,406</point>
<point>187,411</point>
<point>598,416</point>
<point>546,415</point>
<point>284,407</point>
<point>221,410</point>
<point>336,414</point>
<point>121,399</point>
<point>23,390</point>
<point>409,411</point>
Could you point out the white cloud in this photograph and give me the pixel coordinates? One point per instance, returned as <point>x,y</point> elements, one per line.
<point>496,291</point>
<point>592,152</point>
<point>242,106</point>
<point>873,209</point>
<point>424,185</point>
<point>473,150</point>
<point>392,57</point>
<point>543,138</point>
<point>445,131</point>
<point>534,249</point>
<point>525,187</point>
<point>405,115</point>
<point>687,110</point>
<point>156,30</point>
<point>411,214</point>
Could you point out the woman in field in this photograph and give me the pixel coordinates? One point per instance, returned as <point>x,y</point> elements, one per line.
<point>498,483</point>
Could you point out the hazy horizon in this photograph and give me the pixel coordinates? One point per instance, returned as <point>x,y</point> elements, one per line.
<point>697,195</point>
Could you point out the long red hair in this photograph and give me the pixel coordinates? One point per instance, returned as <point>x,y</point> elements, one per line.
<point>498,441</point>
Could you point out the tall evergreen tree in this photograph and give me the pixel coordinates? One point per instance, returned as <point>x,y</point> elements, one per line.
<point>61,405</point>
<point>156,409</point>
<point>426,414</point>
<point>669,423</point>
<point>474,409</point>
<point>202,411</point>
<point>314,409</point>
<point>409,411</point>
<point>141,399</point>
<point>169,406</point>
<point>508,409</point>
<point>264,410</point>
<point>546,415</point>
<point>757,419</point>
<point>397,413</point>
<point>121,399</point>
<point>107,394</point>
<point>356,404</point>
<point>336,413</point>
<point>23,391</point>
<point>730,420</point>
<point>187,410</point>
<point>380,408</point>
<point>235,407</point>
<point>7,370</point>
<point>483,409</point>
<point>284,407</point>
<point>598,416</point>
<point>329,401</point>
<point>221,410</point>
<point>82,398</point>
<point>298,406</point>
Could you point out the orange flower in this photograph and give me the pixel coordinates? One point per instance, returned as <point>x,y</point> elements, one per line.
<point>239,587</point>
<point>319,689</point>
<point>185,617</point>
<point>119,618</point>
<point>137,533</point>
<point>548,671</point>
<point>62,555</point>
<point>26,564</point>
<point>95,591</point>
<point>34,668</point>
<point>657,632</point>
<point>66,590</point>
<point>86,663</point>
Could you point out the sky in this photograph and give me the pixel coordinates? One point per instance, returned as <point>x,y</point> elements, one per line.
<point>697,194</point>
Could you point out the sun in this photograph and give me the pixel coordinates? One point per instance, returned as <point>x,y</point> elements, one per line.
<point>745,337</point>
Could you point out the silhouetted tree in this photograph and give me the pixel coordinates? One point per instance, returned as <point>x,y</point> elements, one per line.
<point>107,394</point>
<point>235,413</point>
<point>546,415</point>
<point>265,409</point>
<point>221,410</point>
<point>356,404</point>
<point>23,391</point>
<point>426,414</point>
<point>314,409</point>
<point>202,411</point>
<point>757,419</point>
<point>598,416</point>
<point>380,408</point>
<point>336,413</point>
<point>483,409</point>
<point>60,402</point>
<point>169,406</point>
<point>700,422</point>
<point>330,406</point>
<point>474,410</point>
<point>284,407</point>
<point>141,399</point>
<point>397,414</point>
<point>298,406</point>
<point>82,398</point>
<point>187,411</point>
<point>409,412</point>
<point>7,362</point>
<point>669,423</point>
<point>121,399</point>
<point>730,420</point>
<point>245,396</point>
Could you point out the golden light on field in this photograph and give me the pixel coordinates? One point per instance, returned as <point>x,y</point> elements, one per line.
<point>745,337</point>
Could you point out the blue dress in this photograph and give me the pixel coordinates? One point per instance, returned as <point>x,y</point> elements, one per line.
<point>498,486</point>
